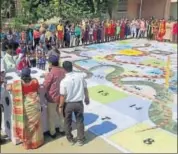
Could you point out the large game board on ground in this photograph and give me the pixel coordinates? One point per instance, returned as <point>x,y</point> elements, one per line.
<point>133,91</point>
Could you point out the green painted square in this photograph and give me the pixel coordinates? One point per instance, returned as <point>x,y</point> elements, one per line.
<point>154,62</point>
<point>105,94</point>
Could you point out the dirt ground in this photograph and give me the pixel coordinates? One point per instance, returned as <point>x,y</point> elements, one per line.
<point>60,145</point>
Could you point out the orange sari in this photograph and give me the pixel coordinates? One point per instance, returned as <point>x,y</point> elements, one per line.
<point>162,30</point>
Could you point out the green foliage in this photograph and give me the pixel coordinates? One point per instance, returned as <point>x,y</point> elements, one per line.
<point>76,11</point>
<point>111,6</point>
<point>17,23</point>
<point>73,10</point>
<point>6,6</point>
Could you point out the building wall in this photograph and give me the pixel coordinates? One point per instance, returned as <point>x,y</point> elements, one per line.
<point>157,8</point>
<point>154,8</point>
<point>173,11</point>
<point>130,12</point>
<point>133,9</point>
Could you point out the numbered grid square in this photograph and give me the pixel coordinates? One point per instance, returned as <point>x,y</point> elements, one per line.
<point>105,94</point>
<point>134,107</point>
<point>152,141</point>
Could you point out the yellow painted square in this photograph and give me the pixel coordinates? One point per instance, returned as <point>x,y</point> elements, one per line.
<point>133,140</point>
<point>99,58</point>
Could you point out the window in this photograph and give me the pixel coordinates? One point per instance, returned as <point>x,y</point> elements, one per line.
<point>122,5</point>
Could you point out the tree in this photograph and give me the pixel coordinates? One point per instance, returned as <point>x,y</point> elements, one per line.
<point>73,10</point>
<point>110,6</point>
<point>7,6</point>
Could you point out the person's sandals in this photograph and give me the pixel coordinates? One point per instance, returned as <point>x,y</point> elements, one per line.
<point>2,141</point>
<point>62,133</point>
<point>81,142</point>
<point>52,136</point>
<point>71,141</point>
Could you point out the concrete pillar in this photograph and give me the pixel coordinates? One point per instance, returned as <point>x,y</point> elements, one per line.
<point>167,9</point>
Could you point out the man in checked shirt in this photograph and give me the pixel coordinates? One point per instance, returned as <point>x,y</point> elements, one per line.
<point>51,84</point>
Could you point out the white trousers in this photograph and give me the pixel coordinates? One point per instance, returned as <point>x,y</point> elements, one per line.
<point>134,31</point>
<point>54,118</point>
<point>72,40</point>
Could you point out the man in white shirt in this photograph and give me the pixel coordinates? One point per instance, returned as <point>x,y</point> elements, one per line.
<point>9,60</point>
<point>73,91</point>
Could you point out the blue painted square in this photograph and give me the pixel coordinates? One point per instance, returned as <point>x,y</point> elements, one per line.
<point>87,63</point>
<point>134,107</point>
<point>103,128</point>
<point>111,47</point>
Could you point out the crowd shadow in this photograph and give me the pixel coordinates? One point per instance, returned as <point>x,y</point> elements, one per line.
<point>103,128</point>
<point>91,133</point>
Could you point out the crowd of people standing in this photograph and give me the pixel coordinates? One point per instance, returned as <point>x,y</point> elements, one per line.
<point>68,34</point>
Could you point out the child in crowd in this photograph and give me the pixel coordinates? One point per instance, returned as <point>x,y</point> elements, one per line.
<point>31,54</point>
<point>41,60</point>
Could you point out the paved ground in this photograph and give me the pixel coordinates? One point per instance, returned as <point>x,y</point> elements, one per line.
<point>60,145</point>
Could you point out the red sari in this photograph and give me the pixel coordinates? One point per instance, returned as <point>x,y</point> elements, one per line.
<point>113,29</point>
<point>122,32</point>
<point>110,29</point>
<point>162,30</point>
<point>175,29</point>
<point>23,64</point>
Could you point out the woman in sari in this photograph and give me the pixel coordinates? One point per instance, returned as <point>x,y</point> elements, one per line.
<point>22,61</point>
<point>149,29</point>
<point>122,30</point>
<point>174,32</point>
<point>162,30</point>
<point>113,27</point>
<point>110,31</point>
<point>168,34</point>
<point>155,29</point>
<point>27,125</point>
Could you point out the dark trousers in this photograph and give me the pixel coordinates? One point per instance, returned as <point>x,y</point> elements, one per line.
<point>78,109</point>
<point>36,41</point>
<point>137,31</point>
<point>33,62</point>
